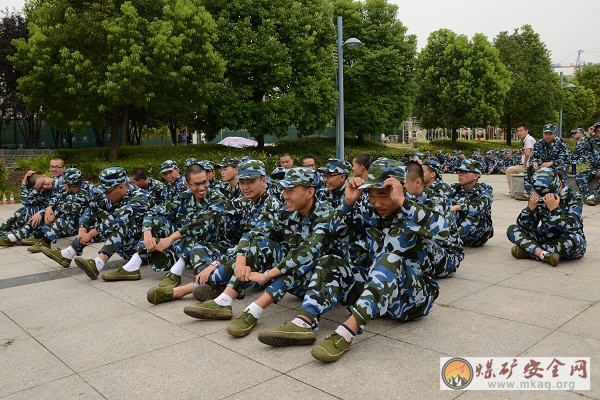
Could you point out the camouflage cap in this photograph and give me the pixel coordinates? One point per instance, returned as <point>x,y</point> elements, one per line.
<point>298,176</point>
<point>381,169</point>
<point>577,130</point>
<point>545,181</point>
<point>111,177</point>
<point>251,169</point>
<point>229,162</point>
<point>245,158</point>
<point>335,165</point>
<point>469,165</point>
<point>434,165</point>
<point>278,173</point>
<point>490,152</point>
<point>191,161</point>
<point>207,165</point>
<point>73,177</point>
<point>597,124</point>
<point>418,155</point>
<point>167,166</point>
<point>549,128</point>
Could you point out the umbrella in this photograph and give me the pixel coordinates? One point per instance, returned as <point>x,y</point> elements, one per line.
<point>239,142</point>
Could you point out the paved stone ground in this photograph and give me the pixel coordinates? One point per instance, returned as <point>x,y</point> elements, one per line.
<point>64,336</point>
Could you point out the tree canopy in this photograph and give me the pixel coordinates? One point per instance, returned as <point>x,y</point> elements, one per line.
<point>534,94</point>
<point>378,76</point>
<point>589,77</point>
<point>85,61</point>
<point>461,82</point>
<point>279,67</point>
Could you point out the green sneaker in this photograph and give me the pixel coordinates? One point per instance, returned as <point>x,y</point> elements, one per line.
<point>521,197</point>
<point>242,325</point>
<point>170,279</point>
<point>288,334</point>
<point>6,242</point>
<point>37,246</point>
<point>120,275</point>
<point>208,292</point>
<point>519,253</point>
<point>157,294</point>
<point>88,266</point>
<point>208,310</point>
<point>30,241</point>
<point>331,348</point>
<point>590,202</point>
<point>56,255</point>
<point>552,259</point>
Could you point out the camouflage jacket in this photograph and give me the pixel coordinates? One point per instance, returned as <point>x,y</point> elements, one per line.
<point>303,239</point>
<point>36,201</point>
<point>587,149</point>
<point>227,191</point>
<point>156,191</point>
<point>476,207</point>
<point>171,192</point>
<point>335,197</point>
<point>74,205</point>
<point>243,215</point>
<point>563,221</point>
<point>130,211</point>
<point>411,231</point>
<point>557,151</point>
<point>201,222</point>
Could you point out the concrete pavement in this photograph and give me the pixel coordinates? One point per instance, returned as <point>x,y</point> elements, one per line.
<point>64,336</point>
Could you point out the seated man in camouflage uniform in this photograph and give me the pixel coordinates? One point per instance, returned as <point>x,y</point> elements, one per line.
<point>213,261</point>
<point>587,149</point>
<point>116,216</point>
<point>335,175</point>
<point>156,189</point>
<point>229,178</point>
<point>281,253</point>
<point>37,192</point>
<point>472,205</point>
<point>175,182</point>
<point>63,215</point>
<point>166,234</point>
<point>550,152</point>
<point>405,239</point>
<point>550,227</point>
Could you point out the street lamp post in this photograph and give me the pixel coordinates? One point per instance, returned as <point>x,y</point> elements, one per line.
<point>352,42</point>
<point>569,86</point>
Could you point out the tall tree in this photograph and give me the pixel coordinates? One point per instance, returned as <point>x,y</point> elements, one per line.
<point>13,25</point>
<point>579,107</point>
<point>279,67</point>
<point>534,94</point>
<point>86,60</point>
<point>461,82</point>
<point>378,76</point>
<point>589,77</point>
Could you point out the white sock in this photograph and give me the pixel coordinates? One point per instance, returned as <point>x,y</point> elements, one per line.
<point>300,322</point>
<point>224,300</point>
<point>69,252</point>
<point>99,263</point>
<point>178,268</point>
<point>543,254</point>
<point>12,237</point>
<point>255,310</point>
<point>344,332</point>
<point>133,264</point>
<point>590,197</point>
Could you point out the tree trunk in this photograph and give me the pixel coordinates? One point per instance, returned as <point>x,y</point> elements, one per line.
<point>173,130</point>
<point>55,136</point>
<point>454,138</point>
<point>113,151</point>
<point>68,137</point>
<point>508,132</point>
<point>99,137</point>
<point>260,140</point>
<point>360,139</point>
<point>126,126</point>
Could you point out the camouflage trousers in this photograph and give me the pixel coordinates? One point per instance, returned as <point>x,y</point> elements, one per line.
<point>582,180</point>
<point>160,261</point>
<point>264,254</point>
<point>62,226</point>
<point>392,286</point>
<point>474,232</point>
<point>121,239</point>
<point>15,222</point>
<point>570,247</point>
<point>203,253</point>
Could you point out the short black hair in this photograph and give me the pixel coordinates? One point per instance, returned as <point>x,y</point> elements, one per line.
<point>363,159</point>
<point>414,171</point>
<point>138,174</point>
<point>523,125</point>
<point>193,170</point>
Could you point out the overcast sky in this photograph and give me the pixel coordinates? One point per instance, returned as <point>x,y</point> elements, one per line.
<point>565,26</point>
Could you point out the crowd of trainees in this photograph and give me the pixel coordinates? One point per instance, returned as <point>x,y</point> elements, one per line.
<point>372,236</point>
